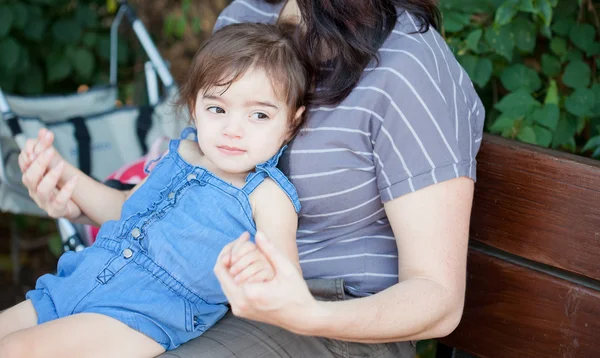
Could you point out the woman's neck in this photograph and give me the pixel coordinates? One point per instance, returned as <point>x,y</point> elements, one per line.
<point>290,12</point>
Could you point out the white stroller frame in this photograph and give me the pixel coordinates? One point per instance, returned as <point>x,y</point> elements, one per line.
<point>70,235</point>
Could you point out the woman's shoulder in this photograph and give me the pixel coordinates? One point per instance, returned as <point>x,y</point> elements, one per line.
<point>418,65</point>
<point>248,11</point>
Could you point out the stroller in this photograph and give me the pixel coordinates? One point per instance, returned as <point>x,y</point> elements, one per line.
<point>90,131</point>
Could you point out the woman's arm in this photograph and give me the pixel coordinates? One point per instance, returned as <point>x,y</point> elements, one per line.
<point>431,227</point>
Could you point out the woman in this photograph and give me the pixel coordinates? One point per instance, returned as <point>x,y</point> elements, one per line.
<point>384,169</point>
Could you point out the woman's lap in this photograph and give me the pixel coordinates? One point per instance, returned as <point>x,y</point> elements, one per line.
<point>234,337</point>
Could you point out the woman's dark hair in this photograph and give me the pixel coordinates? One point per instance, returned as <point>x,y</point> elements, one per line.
<point>234,49</point>
<point>352,31</point>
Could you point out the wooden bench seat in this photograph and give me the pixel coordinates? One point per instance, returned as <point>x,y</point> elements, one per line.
<point>533,283</point>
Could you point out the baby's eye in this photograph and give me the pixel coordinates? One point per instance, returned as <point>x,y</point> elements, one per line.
<point>215,109</point>
<point>260,116</point>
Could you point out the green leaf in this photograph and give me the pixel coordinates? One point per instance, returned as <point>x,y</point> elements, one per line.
<point>591,144</point>
<point>483,72</point>
<point>179,28</point>
<point>552,94</point>
<point>83,62</point>
<point>518,103</point>
<point>547,116</point>
<point>562,26</point>
<point>472,40</point>
<point>545,11</point>
<point>596,110</point>
<point>527,135</point>
<point>501,41</point>
<point>506,12</point>
<point>66,31</point>
<point>479,69</point>
<point>7,80</point>
<point>35,28</point>
<point>89,39</point>
<point>564,131</point>
<point>527,6</point>
<point>503,124</point>
<point>185,6</point>
<point>20,13</point>
<point>9,53</point>
<point>196,25</point>
<point>558,45</point>
<point>86,17</point>
<point>575,55</point>
<point>581,102</point>
<point>520,76</point>
<point>57,67</point>
<point>543,136</point>
<point>550,65</point>
<point>103,47</point>
<point>6,20</point>
<point>524,32</point>
<point>454,21</point>
<point>577,74</point>
<point>582,35</point>
<point>545,31</point>
<point>24,61</point>
<point>594,49</point>
<point>32,81</point>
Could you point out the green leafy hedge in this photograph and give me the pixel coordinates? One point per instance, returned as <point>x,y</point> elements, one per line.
<point>53,46</point>
<point>535,64</point>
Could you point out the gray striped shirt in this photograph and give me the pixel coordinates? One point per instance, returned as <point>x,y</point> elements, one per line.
<point>413,121</point>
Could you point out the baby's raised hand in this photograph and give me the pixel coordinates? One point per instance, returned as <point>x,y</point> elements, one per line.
<point>43,169</point>
<point>248,264</point>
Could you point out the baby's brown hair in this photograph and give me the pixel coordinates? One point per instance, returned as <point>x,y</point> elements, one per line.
<point>234,49</point>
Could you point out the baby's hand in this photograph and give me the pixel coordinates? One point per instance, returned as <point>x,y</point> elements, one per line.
<point>248,264</point>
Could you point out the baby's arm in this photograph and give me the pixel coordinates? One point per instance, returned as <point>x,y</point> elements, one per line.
<point>61,189</point>
<point>276,217</point>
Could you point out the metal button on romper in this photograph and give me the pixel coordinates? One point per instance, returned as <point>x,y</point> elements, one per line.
<point>171,195</point>
<point>191,177</point>
<point>127,253</point>
<point>136,233</point>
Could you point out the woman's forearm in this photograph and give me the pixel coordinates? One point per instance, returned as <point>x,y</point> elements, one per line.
<point>414,309</point>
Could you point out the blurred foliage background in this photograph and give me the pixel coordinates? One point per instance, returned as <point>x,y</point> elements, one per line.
<point>535,65</point>
<point>534,62</point>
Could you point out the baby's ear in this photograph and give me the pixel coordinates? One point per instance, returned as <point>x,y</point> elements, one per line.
<point>299,112</point>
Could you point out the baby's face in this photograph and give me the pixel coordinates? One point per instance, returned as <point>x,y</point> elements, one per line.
<point>243,125</point>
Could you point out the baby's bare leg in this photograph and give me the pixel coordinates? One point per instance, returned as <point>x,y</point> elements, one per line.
<point>17,318</point>
<point>81,335</point>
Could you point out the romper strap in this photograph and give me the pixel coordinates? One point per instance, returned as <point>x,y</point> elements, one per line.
<point>173,148</point>
<point>269,169</point>
<point>187,131</point>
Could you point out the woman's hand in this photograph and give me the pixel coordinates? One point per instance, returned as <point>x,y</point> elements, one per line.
<point>42,169</point>
<point>284,301</point>
<point>247,263</point>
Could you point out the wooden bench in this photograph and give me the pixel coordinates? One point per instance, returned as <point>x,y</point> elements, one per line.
<point>533,283</point>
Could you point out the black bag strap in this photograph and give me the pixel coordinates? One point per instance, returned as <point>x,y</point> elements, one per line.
<point>143,125</point>
<point>84,142</point>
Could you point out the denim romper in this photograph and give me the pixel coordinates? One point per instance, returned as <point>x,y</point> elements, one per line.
<point>153,268</point>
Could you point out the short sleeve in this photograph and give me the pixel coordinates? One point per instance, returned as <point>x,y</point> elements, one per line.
<point>240,11</point>
<point>429,118</point>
